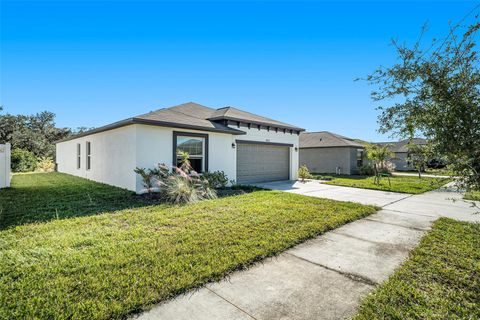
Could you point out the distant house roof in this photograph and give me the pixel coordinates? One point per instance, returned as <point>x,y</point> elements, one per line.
<point>194,116</point>
<point>401,146</point>
<point>325,139</point>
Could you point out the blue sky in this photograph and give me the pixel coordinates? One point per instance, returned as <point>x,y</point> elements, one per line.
<point>93,63</point>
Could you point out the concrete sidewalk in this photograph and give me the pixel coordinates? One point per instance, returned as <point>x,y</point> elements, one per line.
<point>324,278</point>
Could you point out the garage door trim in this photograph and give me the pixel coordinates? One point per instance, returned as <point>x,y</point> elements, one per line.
<point>264,142</point>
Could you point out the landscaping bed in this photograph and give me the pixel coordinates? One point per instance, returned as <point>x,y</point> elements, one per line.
<point>403,184</point>
<point>440,280</point>
<point>113,265</point>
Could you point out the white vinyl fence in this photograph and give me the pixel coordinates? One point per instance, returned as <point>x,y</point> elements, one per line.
<point>4,165</point>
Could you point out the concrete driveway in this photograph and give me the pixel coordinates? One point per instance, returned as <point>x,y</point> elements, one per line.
<point>326,277</point>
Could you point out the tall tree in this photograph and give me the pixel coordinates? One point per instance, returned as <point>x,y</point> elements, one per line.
<point>434,91</point>
<point>36,133</point>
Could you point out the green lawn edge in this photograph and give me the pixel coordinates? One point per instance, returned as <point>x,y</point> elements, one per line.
<point>440,279</point>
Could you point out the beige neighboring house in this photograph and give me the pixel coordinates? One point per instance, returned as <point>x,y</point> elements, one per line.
<point>326,152</point>
<point>5,157</point>
<point>400,152</point>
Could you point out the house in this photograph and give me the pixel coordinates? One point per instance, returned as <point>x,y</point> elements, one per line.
<point>326,152</point>
<point>249,148</point>
<point>400,151</point>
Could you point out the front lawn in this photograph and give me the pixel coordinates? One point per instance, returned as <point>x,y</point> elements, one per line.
<point>114,264</point>
<point>472,195</point>
<point>440,280</point>
<point>403,184</point>
<point>46,196</point>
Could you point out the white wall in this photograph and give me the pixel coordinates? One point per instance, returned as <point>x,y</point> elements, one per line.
<point>112,157</point>
<point>263,135</point>
<point>5,157</point>
<point>116,153</point>
<point>155,145</point>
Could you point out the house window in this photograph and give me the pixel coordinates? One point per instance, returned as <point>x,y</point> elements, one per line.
<point>196,145</point>
<point>88,151</point>
<point>79,159</point>
<point>359,157</point>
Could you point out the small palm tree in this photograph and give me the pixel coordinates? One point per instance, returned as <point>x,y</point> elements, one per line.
<point>379,155</point>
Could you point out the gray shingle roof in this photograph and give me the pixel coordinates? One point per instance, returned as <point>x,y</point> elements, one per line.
<point>192,115</point>
<point>325,139</point>
<point>401,146</point>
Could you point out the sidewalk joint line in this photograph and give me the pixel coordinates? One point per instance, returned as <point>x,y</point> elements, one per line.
<point>395,201</point>
<point>351,276</point>
<point>248,314</point>
<point>415,214</point>
<point>395,224</point>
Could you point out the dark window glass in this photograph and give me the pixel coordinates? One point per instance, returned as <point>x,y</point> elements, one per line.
<point>194,146</point>
<point>79,160</point>
<point>88,155</point>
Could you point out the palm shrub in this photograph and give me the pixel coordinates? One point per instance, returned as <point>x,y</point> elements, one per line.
<point>379,155</point>
<point>304,173</point>
<point>147,177</point>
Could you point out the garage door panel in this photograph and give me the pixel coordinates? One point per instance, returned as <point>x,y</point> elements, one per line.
<point>261,162</point>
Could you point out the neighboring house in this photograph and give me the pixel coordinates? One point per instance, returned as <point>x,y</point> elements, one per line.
<point>249,148</point>
<point>400,151</point>
<point>5,157</point>
<point>326,152</point>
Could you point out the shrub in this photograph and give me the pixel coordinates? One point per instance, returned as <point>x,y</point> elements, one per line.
<point>216,179</point>
<point>147,177</point>
<point>366,170</point>
<point>303,173</point>
<point>23,160</point>
<point>45,164</point>
<point>386,167</point>
<point>179,187</point>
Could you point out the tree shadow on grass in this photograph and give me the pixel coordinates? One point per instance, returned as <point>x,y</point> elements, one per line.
<point>48,196</point>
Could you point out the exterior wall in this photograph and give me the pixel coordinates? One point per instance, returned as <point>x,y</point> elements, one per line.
<point>155,145</point>
<point>400,162</point>
<point>326,160</point>
<point>5,157</point>
<point>263,135</point>
<point>112,157</point>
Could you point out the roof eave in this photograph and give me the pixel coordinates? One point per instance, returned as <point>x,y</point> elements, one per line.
<point>131,121</point>
<point>257,122</point>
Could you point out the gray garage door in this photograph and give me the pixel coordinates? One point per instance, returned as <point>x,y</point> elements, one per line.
<point>262,162</point>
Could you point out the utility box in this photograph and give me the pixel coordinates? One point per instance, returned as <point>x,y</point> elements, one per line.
<point>5,157</point>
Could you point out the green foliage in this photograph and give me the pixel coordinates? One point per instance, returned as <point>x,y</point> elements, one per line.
<point>147,177</point>
<point>23,160</point>
<point>366,170</point>
<point>379,155</point>
<point>403,184</point>
<point>472,195</point>
<point>35,133</point>
<point>434,91</point>
<point>216,179</point>
<point>304,173</point>
<point>45,164</point>
<point>440,280</point>
<point>419,156</point>
<point>111,265</point>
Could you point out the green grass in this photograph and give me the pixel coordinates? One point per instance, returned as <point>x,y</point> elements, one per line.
<point>403,184</point>
<point>440,280</point>
<point>472,195</point>
<point>46,196</point>
<point>115,264</point>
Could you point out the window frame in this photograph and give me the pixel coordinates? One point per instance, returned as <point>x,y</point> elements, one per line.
<point>88,153</point>
<point>79,156</point>
<point>360,161</point>
<point>177,134</point>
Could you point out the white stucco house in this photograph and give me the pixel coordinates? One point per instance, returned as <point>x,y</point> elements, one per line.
<point>249,148</point>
